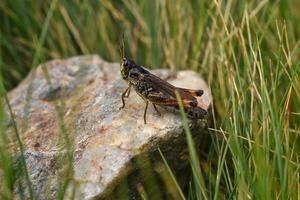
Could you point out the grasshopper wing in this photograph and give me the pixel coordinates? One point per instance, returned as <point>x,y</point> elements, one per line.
<point>162,87</point>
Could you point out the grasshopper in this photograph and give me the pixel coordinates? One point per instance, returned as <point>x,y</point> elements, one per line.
<point>157,91</point>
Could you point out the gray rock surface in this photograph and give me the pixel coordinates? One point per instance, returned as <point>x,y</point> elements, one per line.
<point>104,138</point>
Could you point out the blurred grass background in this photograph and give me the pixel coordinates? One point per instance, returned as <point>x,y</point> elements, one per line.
<point>248,52</point>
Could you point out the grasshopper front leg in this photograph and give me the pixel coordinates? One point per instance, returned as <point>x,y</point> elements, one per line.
<point>125,95</point>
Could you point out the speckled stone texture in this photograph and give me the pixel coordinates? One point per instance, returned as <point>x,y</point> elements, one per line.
<point>105,139</point>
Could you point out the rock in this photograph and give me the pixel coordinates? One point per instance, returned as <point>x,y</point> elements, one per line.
<point>104,139</point>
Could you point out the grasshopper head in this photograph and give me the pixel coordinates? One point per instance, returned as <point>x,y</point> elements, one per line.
<point>125,66</point>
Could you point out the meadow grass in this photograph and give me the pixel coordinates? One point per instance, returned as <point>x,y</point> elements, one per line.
<point>247,51</point>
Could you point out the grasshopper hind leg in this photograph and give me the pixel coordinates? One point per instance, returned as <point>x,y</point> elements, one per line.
<point>156,109</point>
<point>145,112</point>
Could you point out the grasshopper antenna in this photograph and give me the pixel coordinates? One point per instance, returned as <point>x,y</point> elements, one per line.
<point>122,47</point>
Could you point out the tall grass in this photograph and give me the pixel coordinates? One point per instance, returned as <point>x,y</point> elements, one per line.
<point>248,51</point>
